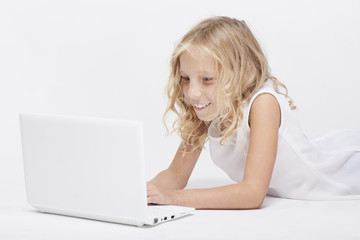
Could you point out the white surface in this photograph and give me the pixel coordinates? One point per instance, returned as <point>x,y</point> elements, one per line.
<point>277,219</point>
<point>109,58</point>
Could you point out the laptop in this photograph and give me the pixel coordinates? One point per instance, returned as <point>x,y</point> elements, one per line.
<point>89,168</point>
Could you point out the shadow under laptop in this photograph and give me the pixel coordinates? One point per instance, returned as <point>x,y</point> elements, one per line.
<point>63,216</point>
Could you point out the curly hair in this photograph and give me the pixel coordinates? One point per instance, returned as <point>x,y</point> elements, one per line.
<point>242,70</point>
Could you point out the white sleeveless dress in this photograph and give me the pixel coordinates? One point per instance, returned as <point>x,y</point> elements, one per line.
<point>326,168</point>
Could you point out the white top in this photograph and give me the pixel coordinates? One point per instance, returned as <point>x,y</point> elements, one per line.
<point>326,168</point>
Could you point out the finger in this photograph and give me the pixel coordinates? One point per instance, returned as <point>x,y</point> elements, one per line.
<point>150,186</point>
<point>152,199</point>
<point>152,192</point>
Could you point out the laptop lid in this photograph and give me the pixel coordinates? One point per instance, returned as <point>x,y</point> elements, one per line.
<point>86,167</point>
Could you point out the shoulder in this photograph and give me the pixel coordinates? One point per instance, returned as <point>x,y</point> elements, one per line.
<point>265,109</point>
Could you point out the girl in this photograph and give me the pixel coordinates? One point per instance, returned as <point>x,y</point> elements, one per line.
<point>221,89</point>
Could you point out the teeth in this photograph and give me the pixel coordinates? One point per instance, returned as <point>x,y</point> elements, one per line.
<point>201,105</point>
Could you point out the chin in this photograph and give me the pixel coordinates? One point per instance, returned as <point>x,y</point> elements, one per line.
<point>206,119</point>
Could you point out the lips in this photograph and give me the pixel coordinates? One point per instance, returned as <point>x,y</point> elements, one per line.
<point>201,106</point>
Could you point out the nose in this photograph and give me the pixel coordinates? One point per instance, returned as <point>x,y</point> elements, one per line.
<point>194,91</point>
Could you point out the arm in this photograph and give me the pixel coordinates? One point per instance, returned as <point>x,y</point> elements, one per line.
<point>177,174</point>
<point>264,121</point>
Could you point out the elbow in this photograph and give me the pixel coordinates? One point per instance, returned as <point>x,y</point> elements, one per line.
<point>250,204</point>
<point>256,197</point>
<point>258,202</point>
<point>253,202</point>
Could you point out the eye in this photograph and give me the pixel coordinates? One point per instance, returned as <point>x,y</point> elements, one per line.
<point>207,79</point>
<point>185,78</point>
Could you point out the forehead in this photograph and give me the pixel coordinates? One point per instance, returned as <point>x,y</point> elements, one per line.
<point>198,59</point>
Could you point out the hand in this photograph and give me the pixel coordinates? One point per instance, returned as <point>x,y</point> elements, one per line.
<point>157,195</point>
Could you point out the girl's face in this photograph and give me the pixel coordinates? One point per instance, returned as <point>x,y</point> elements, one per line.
<point>198,78</point>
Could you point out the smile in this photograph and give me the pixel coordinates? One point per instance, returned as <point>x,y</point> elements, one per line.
<point>201,106</point>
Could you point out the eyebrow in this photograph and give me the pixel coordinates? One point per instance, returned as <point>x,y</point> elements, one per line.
<point>201,72</point>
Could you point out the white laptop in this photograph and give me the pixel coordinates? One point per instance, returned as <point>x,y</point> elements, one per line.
<point>89,168</point>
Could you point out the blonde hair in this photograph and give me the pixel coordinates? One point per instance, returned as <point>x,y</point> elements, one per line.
<point>242,70</point>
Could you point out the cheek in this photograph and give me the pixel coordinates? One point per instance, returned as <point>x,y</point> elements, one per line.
<point>184,89</point>
<point>185,96</point>
<point>212,94</point>
<point>214,100</point>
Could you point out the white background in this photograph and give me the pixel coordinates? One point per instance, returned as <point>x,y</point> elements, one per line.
<point>109,59</point>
